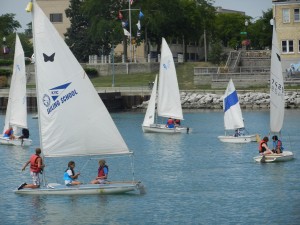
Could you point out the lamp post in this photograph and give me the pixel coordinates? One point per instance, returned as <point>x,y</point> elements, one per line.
<point>246,25</point>
<point>4,46</point>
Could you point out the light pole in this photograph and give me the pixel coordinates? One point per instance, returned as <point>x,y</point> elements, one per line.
<point>246,25</point>
<point>4,46</point>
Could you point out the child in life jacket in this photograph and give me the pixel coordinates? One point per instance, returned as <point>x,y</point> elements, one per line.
<point>277,145</point>
<point>263,146</point>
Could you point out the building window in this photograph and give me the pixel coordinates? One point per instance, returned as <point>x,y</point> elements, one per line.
<point>298,45</point>
<point>285,15</point>
<point>296,15</point>
<point>287,46</point>
<point>56,17</point>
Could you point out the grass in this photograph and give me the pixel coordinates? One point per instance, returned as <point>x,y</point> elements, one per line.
<point>185,76</point>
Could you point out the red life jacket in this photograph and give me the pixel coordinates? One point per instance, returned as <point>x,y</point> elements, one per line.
<point>33,164</point>
<point>260,147</point>
<point>101,171</point>
<point>170,121</point>
<point>8,132</point>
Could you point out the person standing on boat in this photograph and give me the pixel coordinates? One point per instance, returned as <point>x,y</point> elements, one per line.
<point>9,133</point>
<point>263,146</point>
<point>277,145</point>
<point>102,173</point>
<point>36,167</point>
<point>70,176</point>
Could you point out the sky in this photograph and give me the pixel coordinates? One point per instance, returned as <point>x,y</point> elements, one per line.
<point>252,8</point>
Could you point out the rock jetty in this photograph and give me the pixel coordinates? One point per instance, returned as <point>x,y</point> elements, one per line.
<point>251,100</point>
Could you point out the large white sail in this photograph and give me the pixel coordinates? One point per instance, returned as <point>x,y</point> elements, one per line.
<point>73,119</point>
<point>276,87</point>
<point>150,113</point>
<point>233,118</point>
<point>169,104</point>
<point>16,112</point>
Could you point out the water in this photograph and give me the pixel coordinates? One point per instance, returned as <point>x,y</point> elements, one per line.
<point>190,178</point>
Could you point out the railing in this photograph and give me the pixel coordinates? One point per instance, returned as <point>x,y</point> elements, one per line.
<point>224,70</point>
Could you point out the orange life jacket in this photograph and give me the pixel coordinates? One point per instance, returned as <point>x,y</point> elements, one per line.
<point>260,147</point>
<point>33,164</point>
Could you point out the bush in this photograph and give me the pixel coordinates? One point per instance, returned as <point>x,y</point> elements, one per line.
<point>3,81</point>
<point>6,62</point>
<point>91,72</point>
<point>5,72</point>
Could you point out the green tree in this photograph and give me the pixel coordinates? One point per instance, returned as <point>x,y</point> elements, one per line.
<point>77,37</point>
<point>104,27</point>
<point>260,32</point>
<point>8,24</point>
<point>228,28</point>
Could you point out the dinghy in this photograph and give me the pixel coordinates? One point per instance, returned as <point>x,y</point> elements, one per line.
<point>73,121</point>
<point>168,100</point>
<point>233,119</point>
<point>16,112</point>
<point>276,103</point>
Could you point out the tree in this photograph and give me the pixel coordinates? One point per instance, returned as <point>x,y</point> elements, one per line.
<point>8,24</point>
<point>104,27</point>
<point>260,32</point>
<point>77,37</point>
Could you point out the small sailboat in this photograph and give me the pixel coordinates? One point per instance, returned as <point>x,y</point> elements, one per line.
<point>277,103</point>
<point>233,118</point>
<point>73,121</point>
<point>168,100</point>
<point>16,112</point>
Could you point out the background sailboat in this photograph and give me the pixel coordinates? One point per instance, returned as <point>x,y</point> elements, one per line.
<point>277,103</point>
<point>16,112</point>
<point>168,102</point>
<point>233,119</point>
<point>73,121</point>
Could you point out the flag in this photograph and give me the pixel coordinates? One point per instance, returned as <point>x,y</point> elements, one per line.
<point>131,2</point>
<point>126,33</point>
<point>124,24</point>
<point>138,25</point>
<point>120,16</point>
<point>141,15</point>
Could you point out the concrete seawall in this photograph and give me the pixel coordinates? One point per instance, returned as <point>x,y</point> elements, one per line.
<point>129,98</point>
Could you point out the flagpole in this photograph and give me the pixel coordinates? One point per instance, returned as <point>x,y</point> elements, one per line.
<point>130,31</point>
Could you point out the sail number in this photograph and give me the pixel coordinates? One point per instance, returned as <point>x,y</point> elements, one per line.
<point>277,88</point>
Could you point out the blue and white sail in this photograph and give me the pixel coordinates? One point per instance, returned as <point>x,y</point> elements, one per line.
<point>233,118</point>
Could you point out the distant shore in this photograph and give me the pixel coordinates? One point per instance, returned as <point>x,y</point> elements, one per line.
<point>250,100</point>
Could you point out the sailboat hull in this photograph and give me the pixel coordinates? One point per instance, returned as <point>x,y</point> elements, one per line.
<point>85,189</point>
<point>240,139</point>
<point>270,158</point>
<point>15,142</point>
<point>161,128</point>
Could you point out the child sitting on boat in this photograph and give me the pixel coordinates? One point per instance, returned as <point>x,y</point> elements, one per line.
<point>70,176</point>
<point>102,173</point>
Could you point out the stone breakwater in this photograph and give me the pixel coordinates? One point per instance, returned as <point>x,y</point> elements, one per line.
<point>251,100</point>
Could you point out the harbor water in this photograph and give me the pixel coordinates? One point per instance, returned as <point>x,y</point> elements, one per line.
<point>189,178</point>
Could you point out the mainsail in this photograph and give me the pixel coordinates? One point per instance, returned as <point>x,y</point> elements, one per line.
<point>73,119</point>
<point>169,104</point>
<point>233,118</point>
<point>276,87</point>
<point>16,112</point>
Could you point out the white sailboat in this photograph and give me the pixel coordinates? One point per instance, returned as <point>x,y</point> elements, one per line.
<point>277,103</point>
<point>233,118</point>
<point>16,112</point>
<point>168,101</point>
<point>73,121</point>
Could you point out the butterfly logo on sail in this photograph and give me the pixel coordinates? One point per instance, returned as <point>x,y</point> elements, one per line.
<point>49,58</point>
